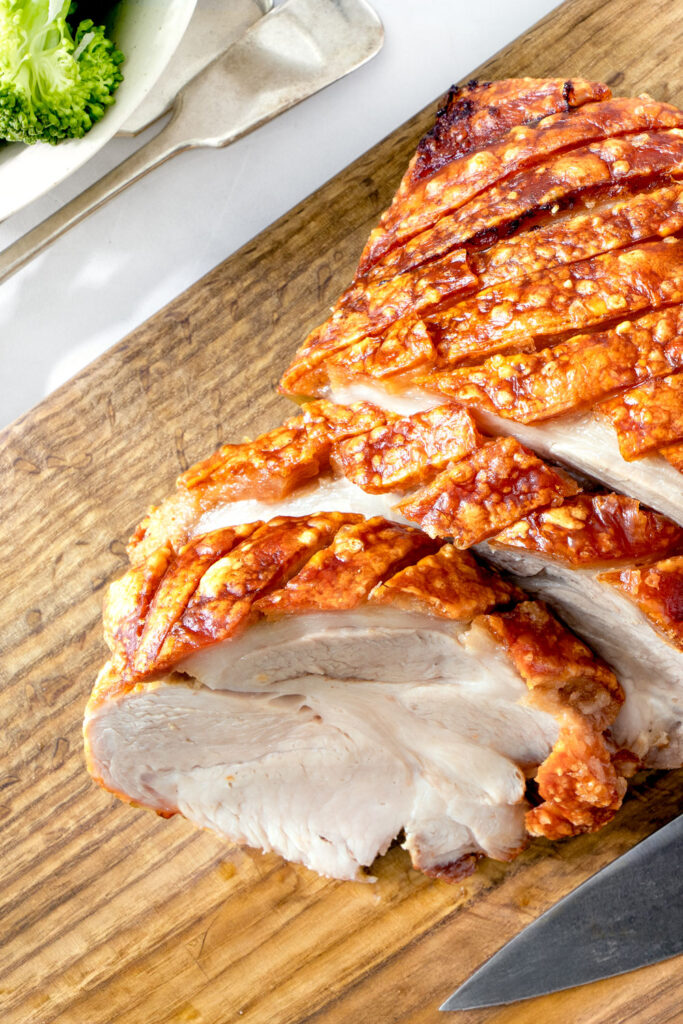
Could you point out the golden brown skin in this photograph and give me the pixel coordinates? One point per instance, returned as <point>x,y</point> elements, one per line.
<point>594,529</point>
<point>269,467</point>
<point>481,494</point>
<point>647,417</point>
<point>588,171</point>
<point>658,591</point>
<point>522,147</point>
<point>278,461</point>
<point>448,583</point>
<point>553,662</point>
<point>567,298</point>
<point>127,604</point>
<point>581,784</point>
<point>276,552</point>
<point>479,113</point>
<point>581,234</point>
<point>207,592</point>
<point>674,455</point>
<point>575,374</point>
<point>408,450</point>
<point>360,556</point>
<point>154,646</point>
<point>359,338</point>
<point>404,351</point>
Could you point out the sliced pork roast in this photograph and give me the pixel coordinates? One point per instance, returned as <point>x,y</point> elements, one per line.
<point>530,268</point>
<point>304,657</point>
<point>278,652</point>
<point>319,685</point>
<point>434,469</point>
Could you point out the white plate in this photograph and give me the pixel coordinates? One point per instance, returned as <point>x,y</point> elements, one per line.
<point>148,32</point>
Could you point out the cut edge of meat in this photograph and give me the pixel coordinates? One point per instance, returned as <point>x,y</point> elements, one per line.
<point>576,691</point>
<point>614,572</point>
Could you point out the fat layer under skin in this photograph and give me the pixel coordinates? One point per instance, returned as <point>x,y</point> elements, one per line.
<point>581,441</point>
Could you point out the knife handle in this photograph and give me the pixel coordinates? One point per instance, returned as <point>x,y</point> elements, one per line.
<point>164,145</point>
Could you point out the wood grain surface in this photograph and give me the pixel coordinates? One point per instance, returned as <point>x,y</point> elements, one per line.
<point>109,914</point>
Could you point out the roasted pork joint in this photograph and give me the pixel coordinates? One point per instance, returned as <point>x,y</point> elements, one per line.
<point>360,682</point>
<point>304,656</point>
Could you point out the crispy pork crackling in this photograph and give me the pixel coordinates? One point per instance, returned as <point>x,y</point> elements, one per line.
<point>530,269</point>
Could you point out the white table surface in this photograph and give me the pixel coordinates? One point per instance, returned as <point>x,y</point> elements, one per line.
<point>125,262</point>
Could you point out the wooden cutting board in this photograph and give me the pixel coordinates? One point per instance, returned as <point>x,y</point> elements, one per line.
<point>109,914</point>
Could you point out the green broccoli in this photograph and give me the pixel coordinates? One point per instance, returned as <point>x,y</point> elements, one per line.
<point>54,85</point>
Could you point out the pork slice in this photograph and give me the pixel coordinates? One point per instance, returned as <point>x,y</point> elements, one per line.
<point>267,469</point>
<point>407,451</point>
<point>567,298</point>
<point>493,486</point>
<point>479,113</point>
<point>432,467</point>
<point>584,442</point>
<point>587,443</point>
<point>598,561</point>
<point>572,375</point>
<point>523,147</point>
<point>356,339</point>
<point>581,233</point>
<point>324,772</point>
<point>563,178</point>
<point>347,711</point>
<point>192,513</point>
<point>657,589</point>
<point>327,493</point>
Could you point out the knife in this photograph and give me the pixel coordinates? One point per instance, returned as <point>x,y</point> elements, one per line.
<point>628,915</point>
<point>300,47</point>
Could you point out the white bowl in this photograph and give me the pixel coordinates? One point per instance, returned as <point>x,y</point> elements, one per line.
<point>148,32</point>
<point>215,26</point>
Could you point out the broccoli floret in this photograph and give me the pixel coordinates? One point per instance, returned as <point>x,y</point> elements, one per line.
<point>54,85</point>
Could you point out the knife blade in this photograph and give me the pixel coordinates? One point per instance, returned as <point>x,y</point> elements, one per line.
<point>628,915</point>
